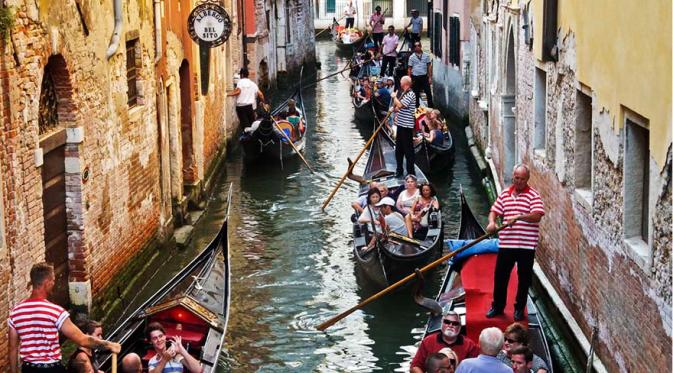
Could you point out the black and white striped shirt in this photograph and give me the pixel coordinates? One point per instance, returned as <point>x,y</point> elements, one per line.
<point>405,117</point>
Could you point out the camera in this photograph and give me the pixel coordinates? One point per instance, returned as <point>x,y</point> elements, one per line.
<point>169,344</point>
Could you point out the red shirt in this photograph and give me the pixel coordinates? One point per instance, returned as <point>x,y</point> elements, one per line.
<point>521,235</point>
<point>463,347</point>
<point>37,322</point>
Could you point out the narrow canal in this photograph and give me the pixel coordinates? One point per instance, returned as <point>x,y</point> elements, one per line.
<point>292,263</point>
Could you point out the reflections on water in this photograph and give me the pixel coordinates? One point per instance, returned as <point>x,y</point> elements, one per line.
<point>292,265</point>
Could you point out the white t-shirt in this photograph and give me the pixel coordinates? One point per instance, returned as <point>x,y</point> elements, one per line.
<point>248,93</point>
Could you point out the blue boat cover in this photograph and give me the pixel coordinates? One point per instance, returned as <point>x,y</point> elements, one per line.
<point>484,247</point>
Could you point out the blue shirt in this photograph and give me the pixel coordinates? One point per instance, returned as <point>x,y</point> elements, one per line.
<point>172,366</point>
<point>416,25</point>
<point>383,96</point>
<point>419,64</point>
<point>483,364</point>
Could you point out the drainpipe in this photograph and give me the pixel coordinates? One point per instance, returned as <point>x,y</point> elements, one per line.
<point>157,28</point>
<point>114,41</point>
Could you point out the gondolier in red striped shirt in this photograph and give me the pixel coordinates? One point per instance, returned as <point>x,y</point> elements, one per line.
<point>522,205</point>
<point>34,325</point>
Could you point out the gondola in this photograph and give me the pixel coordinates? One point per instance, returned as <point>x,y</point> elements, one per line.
<point>193,305</point>
<point>264,139</point>
<point>433,158</point>
<point>354,37</point>
<point>392,259</point>
<point>469,279</point>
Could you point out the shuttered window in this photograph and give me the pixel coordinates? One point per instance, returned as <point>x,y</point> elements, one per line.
<point>132,70</point>
<point>437,35</point>
<point>420,5</point>
<point>454,40</point>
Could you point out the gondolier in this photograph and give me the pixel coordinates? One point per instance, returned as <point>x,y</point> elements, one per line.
<point>34,326</point>
<point>416,23</point>
<point>246,93</point>
<point>405,107</point>
<point>376,21</point>
<point>420,70</point>
<point>349,13</point>
<point>522,205</point>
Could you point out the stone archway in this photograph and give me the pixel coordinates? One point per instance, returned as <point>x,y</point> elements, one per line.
<point>508,102</point>
<point>59,139</point>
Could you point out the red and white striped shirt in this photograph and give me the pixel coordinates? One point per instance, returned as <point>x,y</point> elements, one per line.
<point>521,235</point>
<point>37,322</point>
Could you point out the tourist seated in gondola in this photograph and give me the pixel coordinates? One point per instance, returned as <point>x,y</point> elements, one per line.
<point>448,336</point>
<point>453,359</point>
<point>170,354</point>
<point>390,85</point>
<point>394,222</point>
<point>516,335</point>
<point>360,204</point>
<point>370,212</point>
<point>131,363</point>
<point>363,91</point>
<point>417,218</point>
<point>433,135</point>
<point>84,360</point>
<point>522,360</point>
<point>437,363</point>
<point>407,197</point>
<point>382,96</point>
<point>291,111</point>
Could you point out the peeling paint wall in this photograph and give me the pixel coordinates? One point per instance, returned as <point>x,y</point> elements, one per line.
<point>584,252</point>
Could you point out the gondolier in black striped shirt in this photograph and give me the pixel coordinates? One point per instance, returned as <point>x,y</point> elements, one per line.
<point>405,107</point>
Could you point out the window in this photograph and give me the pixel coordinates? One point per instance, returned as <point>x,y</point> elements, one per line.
<point>454,40</point>
<point>420,5</point>
<point>549,24</point>
<point>288,23</point>
<point>386,7</point>
<point>583,146</point>
<point>540,133</point>
<point>636,180</point>
<point>437,36</point>
<point>132,70</point>
<point>330,6</point>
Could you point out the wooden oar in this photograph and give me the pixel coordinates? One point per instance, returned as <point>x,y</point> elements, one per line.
<point>352,165</point>
<point>403,281</point>
<point>289,141</point>
<point>114,363</point>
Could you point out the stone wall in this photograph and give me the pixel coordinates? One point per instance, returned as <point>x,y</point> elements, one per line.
<point>583,251</point>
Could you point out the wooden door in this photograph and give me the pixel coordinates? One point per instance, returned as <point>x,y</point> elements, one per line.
<point>55,219</point>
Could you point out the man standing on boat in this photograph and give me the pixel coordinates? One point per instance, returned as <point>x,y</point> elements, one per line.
<point>376,21</point>
<point>420,71</point>
<point>246,93</point>
<point>522,206</point>
<point>349,13</point>
<point>450,337</point>
<point>34,326</point>
<point>405,107</point>
<point>389,51</point>
<point>416,23</point>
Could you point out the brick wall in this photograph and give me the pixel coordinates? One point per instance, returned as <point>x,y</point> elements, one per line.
<point>582,249</point>
<point>115,212</point>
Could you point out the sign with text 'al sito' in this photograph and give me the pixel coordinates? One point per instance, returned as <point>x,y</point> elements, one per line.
<point>209,24</point>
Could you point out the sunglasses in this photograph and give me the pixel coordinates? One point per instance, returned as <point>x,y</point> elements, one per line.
<point>509,340</point>
<point>451,322</point>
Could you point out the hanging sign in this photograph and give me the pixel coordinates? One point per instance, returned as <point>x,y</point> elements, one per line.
<point>209,24</point>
